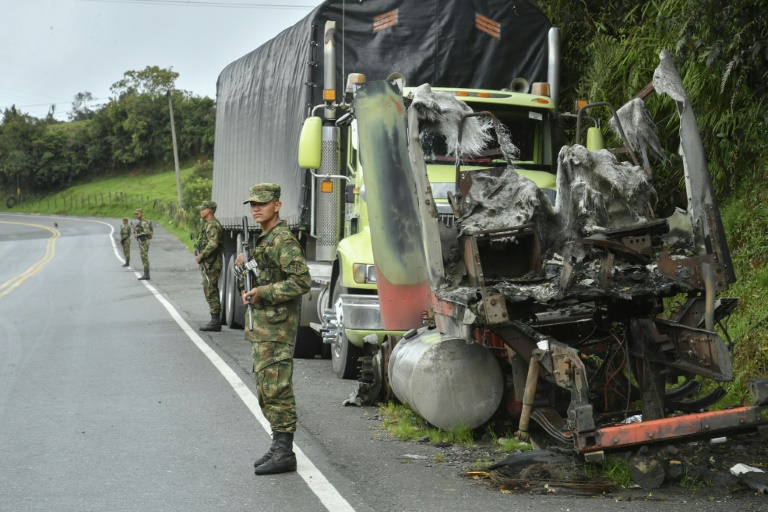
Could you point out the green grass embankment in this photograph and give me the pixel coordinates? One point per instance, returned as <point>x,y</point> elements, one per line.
<point>118,197</point>
<point>745,220</point>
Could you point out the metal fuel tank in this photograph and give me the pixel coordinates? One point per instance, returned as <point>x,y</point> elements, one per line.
<point>446,380</point>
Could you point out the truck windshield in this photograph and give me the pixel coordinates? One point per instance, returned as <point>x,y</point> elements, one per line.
<point>526,131</point>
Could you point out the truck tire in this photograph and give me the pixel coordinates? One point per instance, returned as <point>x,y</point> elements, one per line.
<point>344,355</point>
<point>11,202</point>
<point>226,275</point>
<point>235,307</point>
<point>307,343</point>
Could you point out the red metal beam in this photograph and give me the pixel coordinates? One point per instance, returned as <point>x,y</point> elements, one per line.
<point>705,424</point>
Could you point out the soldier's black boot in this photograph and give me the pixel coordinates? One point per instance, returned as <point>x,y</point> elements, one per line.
<point>125,264</point>
<point>145,277</point>
<point>214,325</point>
<point>264,458</point>
<point>283,459</point>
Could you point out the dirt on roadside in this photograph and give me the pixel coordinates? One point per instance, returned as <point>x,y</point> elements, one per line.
<point>698,470</point>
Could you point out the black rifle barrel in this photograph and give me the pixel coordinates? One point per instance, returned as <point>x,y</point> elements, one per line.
<point>248,279</point>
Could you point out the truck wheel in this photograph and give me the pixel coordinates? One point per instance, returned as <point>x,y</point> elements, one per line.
<point>344,355</point>
<point>307,343</point>
<point>223,278</point>
<point>234,303</point>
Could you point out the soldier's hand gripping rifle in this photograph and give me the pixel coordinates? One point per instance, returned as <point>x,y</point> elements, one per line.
<point>137,232</point>
<point>202,263</point>
<point>247,270</point>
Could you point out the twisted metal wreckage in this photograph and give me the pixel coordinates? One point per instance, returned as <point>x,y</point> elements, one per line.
<point>551,311</point>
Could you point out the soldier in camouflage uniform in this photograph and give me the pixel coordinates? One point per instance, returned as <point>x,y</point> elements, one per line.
<point>281,279</point>
<point>143,233</point>
<point>125,241</point>
<point>210,244</point>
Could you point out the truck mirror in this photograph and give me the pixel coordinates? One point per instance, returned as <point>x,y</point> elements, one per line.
<point>595,139</point>
<point>310,143</point>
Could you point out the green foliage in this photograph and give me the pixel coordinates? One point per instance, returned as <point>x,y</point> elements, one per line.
<point>151,81</point>
<point>745,220</point>
<point>614,468</point>
<point>196,188</point>
<point>118,197</point>
<point>132,130</point>
<point>400,421</point>
<point>610,50</point>
<point>510,443</point>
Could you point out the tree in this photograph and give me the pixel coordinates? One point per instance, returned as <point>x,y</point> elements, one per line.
<point>152,81</point>
<point>19,134</point>
<point>80,110</point>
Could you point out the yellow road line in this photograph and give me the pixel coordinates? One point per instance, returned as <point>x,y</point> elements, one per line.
<point>8,286</point>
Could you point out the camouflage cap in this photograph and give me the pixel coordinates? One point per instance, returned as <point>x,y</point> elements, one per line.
<point>137,210</point>
<point>125,219</point>
<point>207,204</point>
<point>263,193</point>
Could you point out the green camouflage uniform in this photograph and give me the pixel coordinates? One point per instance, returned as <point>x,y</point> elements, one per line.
<point>283,277</point>
<point>211,244</point>
<point>125,240</point>
<point>144,231</point>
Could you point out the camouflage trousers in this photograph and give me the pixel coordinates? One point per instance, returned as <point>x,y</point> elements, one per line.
<point>273,366</point>
<point>210,281</point>
<point>127,249</point>
<point>144,252</point>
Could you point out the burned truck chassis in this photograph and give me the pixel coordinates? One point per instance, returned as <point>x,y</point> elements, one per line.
<point>590,355</point>
<point>569,297</point>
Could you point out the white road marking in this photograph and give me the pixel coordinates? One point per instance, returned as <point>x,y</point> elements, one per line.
<point>313,477</point>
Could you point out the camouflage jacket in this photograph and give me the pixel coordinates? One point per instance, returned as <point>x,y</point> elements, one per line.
<point>282,278</point>
<point>125,232</point>
<point>143,230</point>
<point>211,243</point>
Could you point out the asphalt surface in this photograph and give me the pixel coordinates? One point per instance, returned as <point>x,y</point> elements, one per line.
<point>111,399</point>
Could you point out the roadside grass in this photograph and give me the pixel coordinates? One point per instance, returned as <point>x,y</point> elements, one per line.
<point>400,421</point>
<point>745,221</point>
<point>118,197</point>
<point>613,468</point>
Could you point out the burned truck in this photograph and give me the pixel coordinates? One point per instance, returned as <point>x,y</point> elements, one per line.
<point>555,308</point>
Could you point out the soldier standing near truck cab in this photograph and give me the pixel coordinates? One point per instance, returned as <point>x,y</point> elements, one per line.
<point>282,277</point>
<point>210,243</point>
<point>125,241</point>
<point>143,233</point>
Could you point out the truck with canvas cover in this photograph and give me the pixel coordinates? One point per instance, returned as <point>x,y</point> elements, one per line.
<point>264,98</point>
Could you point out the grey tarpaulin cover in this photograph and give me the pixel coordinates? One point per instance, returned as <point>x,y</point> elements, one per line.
<point>263,97</point>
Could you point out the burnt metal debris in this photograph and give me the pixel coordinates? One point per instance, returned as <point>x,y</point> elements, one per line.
<point>569,294</point>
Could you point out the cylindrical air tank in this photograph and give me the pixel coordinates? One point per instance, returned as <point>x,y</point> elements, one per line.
<point>446,380</point>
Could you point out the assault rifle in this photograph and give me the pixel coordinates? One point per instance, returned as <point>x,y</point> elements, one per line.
<point>202,263</point>
<point>247,276</point>
<point>139,237</point>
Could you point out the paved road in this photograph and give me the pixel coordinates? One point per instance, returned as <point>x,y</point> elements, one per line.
<point>111,400</point>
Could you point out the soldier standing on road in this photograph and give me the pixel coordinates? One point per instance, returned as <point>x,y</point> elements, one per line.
<point>125,240</point>
<point>282,277</point>
<point>210,243</point>
<point>143,233</point>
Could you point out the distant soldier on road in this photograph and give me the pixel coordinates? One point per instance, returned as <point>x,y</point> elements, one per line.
<point>210,245</point>
<point>143,233</point>
<point>125,241</point>
<point>281,278</point>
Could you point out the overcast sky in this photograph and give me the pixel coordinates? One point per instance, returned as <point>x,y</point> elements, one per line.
<point>50,50</point>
